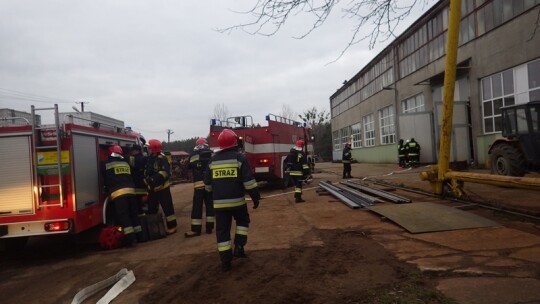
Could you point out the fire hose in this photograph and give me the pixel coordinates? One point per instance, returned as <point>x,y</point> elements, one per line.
<point>122,280</point>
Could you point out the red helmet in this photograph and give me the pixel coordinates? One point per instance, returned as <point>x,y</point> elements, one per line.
<point>348,144</point>
<point>299,143</point>
<point>201,141</point>
<point>155,146</point>
<point>227,139</point>
<point>116,149</point>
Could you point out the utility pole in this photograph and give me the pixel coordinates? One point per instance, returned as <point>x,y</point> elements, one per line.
<point>169,132</point>
<point>82,104</point>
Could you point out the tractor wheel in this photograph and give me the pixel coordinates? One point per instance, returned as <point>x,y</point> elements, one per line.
<point>507,160</point>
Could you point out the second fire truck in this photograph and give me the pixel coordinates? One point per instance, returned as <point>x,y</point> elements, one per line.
<point>265,147</point>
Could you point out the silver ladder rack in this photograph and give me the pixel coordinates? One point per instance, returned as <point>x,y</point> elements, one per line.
<point>37,132</point>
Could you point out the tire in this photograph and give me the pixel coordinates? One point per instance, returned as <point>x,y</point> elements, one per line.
<point>507,160</point>
<point>16,245</point>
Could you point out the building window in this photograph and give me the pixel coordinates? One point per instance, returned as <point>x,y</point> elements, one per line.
<point>356,134</point>
<point>386,121</point>
<point>413,104</point>
<point>501,89</point>
<point>369,130</point>
<point>533,73</point>
<point>335,136</point>
<point>345,136</point>
<point>497,91</point>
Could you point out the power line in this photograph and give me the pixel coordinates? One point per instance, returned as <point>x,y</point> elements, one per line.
<point>30,97</point>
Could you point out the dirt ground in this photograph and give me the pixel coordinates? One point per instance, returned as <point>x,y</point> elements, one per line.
<point>319,251</point>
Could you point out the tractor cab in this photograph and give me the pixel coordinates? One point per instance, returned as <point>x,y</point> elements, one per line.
<point>519,149</point>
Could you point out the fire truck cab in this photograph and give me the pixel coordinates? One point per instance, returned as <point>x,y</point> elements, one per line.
<point>51,181</point>
<point>265,147</point>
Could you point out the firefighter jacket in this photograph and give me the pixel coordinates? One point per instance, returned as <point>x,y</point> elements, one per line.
<point>117,177</point>
<point>198,163</point>
<point>401,150</point>
<point>138,164</point>
<point>297,163</point>
<point>412,148</point>
<point>347,155</point>
<point>157,172</point>
<point>228,178</point>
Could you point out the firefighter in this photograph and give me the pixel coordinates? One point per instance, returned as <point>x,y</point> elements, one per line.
<point>401,154</point>
<point>299,169</point>
<point>412,148</point>
<point>228,178</point>
<point>137,162</point>
<point>346,160</point>
<point>198,163</point>
<point>121,192</point>
<point>156,178</point>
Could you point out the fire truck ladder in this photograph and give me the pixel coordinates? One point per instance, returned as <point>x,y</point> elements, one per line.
<point>37,131</point>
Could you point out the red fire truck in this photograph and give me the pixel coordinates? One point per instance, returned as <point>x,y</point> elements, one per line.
<point>265,147</point>
<point>51,182</point>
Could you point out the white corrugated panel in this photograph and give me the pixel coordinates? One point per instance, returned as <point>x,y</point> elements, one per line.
<point>16,176</point>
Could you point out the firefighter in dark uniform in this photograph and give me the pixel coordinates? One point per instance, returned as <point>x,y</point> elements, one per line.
<point>346,159</point>
<point>412,148</point>
<point>402,155</point>
<point>137,162</point>
<point>121,192</point>
<point>299,169</point>
<point>228,178</point>
<point>156,178</point>
<point>198,163</point>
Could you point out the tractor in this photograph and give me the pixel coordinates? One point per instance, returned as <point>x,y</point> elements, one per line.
<point>518,151</point>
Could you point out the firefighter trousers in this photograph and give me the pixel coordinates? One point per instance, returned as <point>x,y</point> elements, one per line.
<point>347,170</point>
<point>298,182</point>
<point>163,198</point>
<point>223,230</point>
<point>126,215</point>
<point>202,197</point>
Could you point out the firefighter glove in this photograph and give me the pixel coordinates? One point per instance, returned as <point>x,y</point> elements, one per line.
<point>255,204</point>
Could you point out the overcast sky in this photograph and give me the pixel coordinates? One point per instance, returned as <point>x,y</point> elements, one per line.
<point>159,65</point>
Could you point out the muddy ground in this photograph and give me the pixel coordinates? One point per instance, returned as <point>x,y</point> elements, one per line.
<point>320,251</point>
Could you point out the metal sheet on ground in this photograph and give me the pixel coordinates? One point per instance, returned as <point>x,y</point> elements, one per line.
<point>430,217</point>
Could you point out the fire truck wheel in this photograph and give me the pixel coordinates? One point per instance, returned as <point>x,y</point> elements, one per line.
<point>14,245</point>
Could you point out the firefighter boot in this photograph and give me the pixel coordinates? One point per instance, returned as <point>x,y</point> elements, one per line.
<point>190,234</point>
<point>130,240</point>
<point>171,230</point>
<point>239,252</point>
<point>226,266</point>
<point>298,199</point>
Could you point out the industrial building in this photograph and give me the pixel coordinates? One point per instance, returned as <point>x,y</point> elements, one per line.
<point>398,95</point>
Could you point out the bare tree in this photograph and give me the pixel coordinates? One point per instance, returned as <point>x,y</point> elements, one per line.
<point>382,17</point>
<point>221,112</point>
<point>314,117</point>
<point>321,131</point>
<point>287,112</point>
